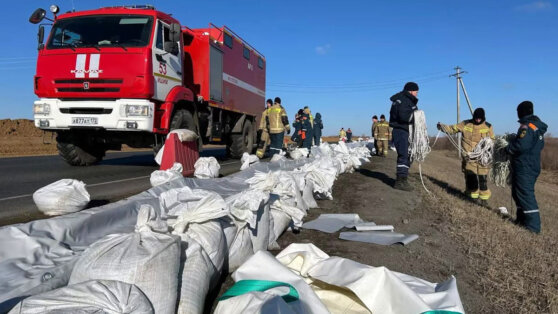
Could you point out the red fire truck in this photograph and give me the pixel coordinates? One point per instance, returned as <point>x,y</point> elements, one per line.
<point>130,74</point>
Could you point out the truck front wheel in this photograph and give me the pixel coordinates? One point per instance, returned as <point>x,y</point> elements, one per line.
<point>243,142</point>
<point>78,154</point>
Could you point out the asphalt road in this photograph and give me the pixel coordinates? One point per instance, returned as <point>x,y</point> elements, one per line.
<point>118,176</point>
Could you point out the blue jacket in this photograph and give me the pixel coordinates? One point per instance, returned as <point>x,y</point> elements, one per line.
<point>527,145</point>
<point>402,108</point>
<point>318,125</point>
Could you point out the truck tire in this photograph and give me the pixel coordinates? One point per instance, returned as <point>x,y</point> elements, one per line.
<point>243,142</point>
<point>182,119</point>
<point>77,154</point>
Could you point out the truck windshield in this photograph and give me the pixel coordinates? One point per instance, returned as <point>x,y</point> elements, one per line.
<point>101,31</point>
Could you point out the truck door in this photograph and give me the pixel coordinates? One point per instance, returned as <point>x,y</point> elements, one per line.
<point>167,63</point>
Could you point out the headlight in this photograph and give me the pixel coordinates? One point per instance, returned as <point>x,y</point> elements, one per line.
<point>41,109</point>
<point>137,110</point>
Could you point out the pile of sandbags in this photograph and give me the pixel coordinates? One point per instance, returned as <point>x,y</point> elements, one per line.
<point>187,230</point>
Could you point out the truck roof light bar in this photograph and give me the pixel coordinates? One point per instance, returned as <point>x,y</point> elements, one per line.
<point>133,6</point>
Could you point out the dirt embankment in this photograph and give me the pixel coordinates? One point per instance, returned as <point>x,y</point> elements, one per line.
<point>20,137</point>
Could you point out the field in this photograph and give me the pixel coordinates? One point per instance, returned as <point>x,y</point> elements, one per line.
<point>21,138</point>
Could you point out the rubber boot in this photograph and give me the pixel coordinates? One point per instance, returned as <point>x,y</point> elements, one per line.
<point>401,183</point>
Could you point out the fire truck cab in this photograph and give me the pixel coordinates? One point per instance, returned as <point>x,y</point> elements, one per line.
<point>129,75</point>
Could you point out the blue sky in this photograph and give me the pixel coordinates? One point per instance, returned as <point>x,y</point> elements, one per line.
<point>345,59</point>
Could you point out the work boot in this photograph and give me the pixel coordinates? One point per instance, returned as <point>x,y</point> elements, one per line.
<point>401,183</point>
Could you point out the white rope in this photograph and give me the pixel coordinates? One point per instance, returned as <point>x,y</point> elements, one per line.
<point>483,152</point>
<point>500,173</point>
<point>419,146</point>
<point>418,138</point>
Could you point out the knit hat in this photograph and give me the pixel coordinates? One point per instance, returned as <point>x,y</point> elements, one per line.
<point>375,117</point>
<point>411,87</point>
<point>382,117</point>
<point>277,100</point>
<point>479,114</point>
<point>525,108</point>
<point>269,101</point>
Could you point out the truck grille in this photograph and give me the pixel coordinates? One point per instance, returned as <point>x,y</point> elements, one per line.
<point>88,85</point>
<point>86,110</point>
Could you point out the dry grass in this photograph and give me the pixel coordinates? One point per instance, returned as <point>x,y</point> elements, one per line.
<point>516,270</point>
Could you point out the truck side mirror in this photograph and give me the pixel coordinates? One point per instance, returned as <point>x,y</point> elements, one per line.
<point>175,32</point>
<point>171,46</point>
<point>41,37</point>
<point>37,16</point>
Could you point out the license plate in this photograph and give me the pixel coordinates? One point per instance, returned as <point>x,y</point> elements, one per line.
<point>85,120</point>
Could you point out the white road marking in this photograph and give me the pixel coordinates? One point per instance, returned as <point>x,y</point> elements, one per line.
<point>99,184</point>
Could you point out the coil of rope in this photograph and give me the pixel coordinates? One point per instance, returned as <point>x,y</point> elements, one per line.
<point>419,146</point>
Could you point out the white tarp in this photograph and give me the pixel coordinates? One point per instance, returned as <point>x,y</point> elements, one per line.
<point>331,223</point>
<point>379,237</point>
<point>61,197</point>
<point>327,284</point>
<point>95,296</point>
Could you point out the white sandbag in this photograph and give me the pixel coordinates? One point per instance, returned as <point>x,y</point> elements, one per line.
<point>206,168</point>
<point>308,195</point>
<point>145,258</point>
<point>95,296</point>
<point>194,206</point>
<point>299,153</point>
<point>61,197</point>
<point>244,206</point>
<point>261,234</point>
<point>264,181</point>
<point>159,156</point>
<point>280,221</point>
<point>248,160</point>
<point>159,177</point>
<point>184,135</point>
<point>195,282</point>
<point>241,248</point>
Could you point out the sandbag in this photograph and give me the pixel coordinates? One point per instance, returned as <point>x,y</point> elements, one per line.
<point>159,177</point>
<point>254,302</point>
<point>145,258</point>
<point>94,296</point>
<point>195,280</point>
<point>299,153</point>
<point>206,168</point>
<point>248,160</point>
<point>184,135</point>
<point>61,197</point>
<point>277,158</point>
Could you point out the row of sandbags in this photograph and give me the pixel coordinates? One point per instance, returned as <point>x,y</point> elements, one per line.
<point>181,243</point>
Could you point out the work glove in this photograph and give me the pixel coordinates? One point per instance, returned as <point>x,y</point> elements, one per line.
<point>288,131</point>
<point>439,126</point>
<point>259,134</point>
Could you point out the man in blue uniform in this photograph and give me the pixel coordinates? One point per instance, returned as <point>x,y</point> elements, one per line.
<point>525,150</point>
<point>401,115</point>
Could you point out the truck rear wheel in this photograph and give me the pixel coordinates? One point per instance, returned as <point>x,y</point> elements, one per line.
<point>78,154</point>
<point>243,142</point>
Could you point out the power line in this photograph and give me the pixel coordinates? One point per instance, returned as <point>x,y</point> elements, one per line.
<point>356,84</point>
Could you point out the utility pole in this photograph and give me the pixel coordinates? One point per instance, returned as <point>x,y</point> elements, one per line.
<point>459,81</point>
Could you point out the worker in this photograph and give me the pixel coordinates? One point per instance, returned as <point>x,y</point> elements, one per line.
<point>476,183</point>
<point>318,126</point>
<point>342,135</point>
<point>374,121</point>
<point>296,125</point>
<point>306,128</point>
<point>278,124</point>
<point>525,150</point>
<point>310,129</point>
<point>401,116</point>
<point>382,134</point>
<point>263,130</point>
<point>349,135</point>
